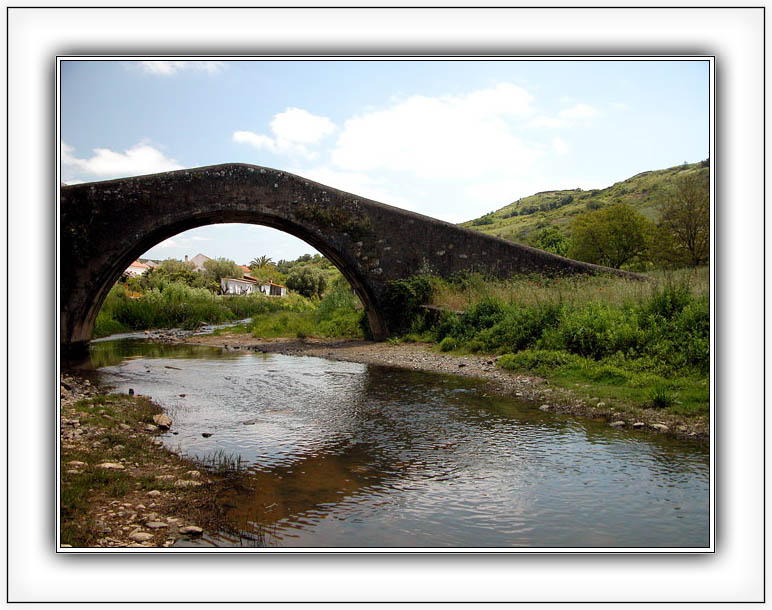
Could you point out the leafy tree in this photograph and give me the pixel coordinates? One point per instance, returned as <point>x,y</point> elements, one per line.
<point>685,221</point>
<point>307,280</point>
<point>612,236</point>
<point>218,268</point>
<point>552,240</point>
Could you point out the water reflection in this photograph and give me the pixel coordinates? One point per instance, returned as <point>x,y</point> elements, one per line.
<point>342,454</point>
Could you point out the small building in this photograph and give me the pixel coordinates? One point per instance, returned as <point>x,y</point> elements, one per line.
<point>245,269</point>
<point>198,261</point>
<point>273,290</point>
<point>232,285</point>
<point>136,268</point>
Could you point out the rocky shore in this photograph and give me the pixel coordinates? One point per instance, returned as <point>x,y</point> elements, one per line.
<point>421,357</point>
<point>119,486</point>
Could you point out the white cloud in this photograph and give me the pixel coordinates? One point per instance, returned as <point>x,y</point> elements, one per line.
<point>293,130</point>
<point>579,111</point>
<point>300,126</point>
<point>560,145</point>
<point>169,243</point>
<point>549,122</point>
<point>105,163</point>
<point>443,137</point>
<point>169,68</point>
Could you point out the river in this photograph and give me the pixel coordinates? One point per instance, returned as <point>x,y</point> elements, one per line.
<point>342,455</point>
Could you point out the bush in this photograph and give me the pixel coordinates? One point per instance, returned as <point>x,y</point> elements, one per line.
<point>308,281</point>
<point>401,303</point>
<point>520,327</point>
<point>448,344</point>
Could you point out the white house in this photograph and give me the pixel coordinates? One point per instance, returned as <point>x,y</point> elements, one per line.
<point>232,285</point>
<point>273,290</point>
<point>198,261</point>
<point>137,268</point>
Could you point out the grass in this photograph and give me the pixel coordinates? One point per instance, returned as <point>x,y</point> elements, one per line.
<point>176,305</point>
<point>115,434</point>
<point>338,314</point>
<point>78,490</point>
<point>641,343</point>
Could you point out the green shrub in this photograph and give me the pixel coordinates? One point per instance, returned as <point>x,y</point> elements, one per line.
<point>448,344</point>
<point>402,300</point>
<point>660,397</point>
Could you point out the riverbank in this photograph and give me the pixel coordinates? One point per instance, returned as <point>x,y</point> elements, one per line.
<point>120,487</point>
<point>578,401</point>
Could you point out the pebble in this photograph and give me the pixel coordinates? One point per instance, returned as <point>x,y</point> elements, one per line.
<point>150,428</point>
<point>140,536</point>
<point>192,530</point>
<point>193,474</point>
<point>154,493</point>
<point>183,483</point>
<point>76,463</point>
<point>111,466</point>
<point>544,408</point>
<point>618,424</point>
<point>601,405</point>
<point>638,425</point>
<point>660,427</point>
<point>154,525</point>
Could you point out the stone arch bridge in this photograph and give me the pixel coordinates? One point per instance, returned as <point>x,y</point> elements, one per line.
<point>104,226</point>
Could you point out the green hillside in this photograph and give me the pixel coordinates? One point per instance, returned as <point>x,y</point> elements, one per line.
<point>521,219</point>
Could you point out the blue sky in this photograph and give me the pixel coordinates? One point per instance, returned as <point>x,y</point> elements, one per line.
<point>449,139</point>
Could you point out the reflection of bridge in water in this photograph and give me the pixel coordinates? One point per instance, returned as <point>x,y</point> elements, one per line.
<point>104,226</point>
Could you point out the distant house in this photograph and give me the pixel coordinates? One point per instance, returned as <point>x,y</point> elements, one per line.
<point>198,261</point>
<point>273,290</point>
<point>232,285</point>
<point>136,268</point>
<point>245,269</point>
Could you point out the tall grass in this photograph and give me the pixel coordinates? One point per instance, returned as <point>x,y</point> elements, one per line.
<point>467,290</point>
<point>176,305</point>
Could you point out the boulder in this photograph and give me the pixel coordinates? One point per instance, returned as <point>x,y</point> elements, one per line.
<point>162,421</point>
<point>191,530</point>
<point>618,424</point>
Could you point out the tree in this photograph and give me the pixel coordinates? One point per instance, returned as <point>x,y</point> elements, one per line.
<point>686,220</point>
<point>218,268</point>
<point>308,281</point>
<point>552,240</point>
<point>612,236</point>
<point>260,262</point>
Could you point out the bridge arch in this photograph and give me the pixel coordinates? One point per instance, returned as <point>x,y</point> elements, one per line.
<point>104,226</point>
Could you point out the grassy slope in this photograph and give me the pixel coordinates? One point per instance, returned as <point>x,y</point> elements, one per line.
<point>645,192</point>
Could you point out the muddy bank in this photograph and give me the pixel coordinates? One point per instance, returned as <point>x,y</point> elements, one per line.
<point>421,357</point>
<point>119,486</point>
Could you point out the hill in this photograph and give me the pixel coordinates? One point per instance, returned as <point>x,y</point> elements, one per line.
<point>522,219</point>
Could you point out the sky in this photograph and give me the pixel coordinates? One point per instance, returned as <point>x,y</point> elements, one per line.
<point>448,139</point>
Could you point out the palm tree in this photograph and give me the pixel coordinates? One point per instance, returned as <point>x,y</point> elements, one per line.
<point>261,261</point>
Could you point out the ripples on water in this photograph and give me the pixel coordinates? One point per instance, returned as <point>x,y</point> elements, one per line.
<point>348,455</point>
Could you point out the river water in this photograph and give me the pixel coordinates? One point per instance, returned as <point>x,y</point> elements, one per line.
<point>350,455</point>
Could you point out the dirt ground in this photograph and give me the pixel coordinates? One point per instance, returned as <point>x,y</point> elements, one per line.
<point>120,487</point>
